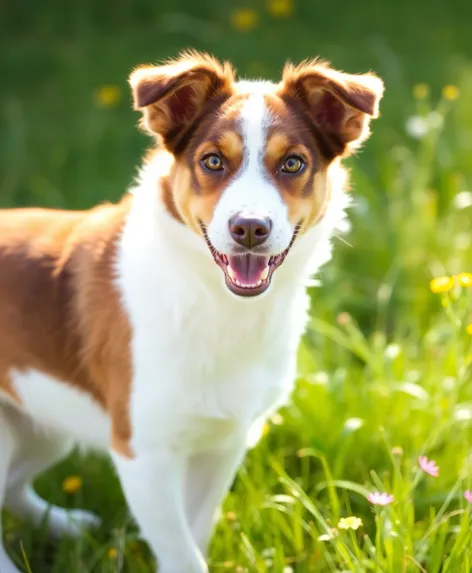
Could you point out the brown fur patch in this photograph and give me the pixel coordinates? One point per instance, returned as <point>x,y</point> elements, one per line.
<point>305,193</point>
<point>339,106</point>
<point>59,307</point>
<point>174,96</point>
<point>230,144</point>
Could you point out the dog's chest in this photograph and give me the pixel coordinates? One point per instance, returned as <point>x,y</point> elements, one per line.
<point>211,369</point>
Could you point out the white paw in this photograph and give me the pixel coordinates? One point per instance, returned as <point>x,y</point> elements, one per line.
<point>71,523</point>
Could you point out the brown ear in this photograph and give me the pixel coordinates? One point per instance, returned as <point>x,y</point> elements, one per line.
<point>173,95</point>
<point>340,105</point>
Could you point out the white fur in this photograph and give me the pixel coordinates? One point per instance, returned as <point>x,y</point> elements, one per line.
<point>207,366</point>
<point>28,449</point>
<point>59,406</point>
<point>251,191</point>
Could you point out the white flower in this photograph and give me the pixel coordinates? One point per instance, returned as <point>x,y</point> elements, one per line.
<point>417,126</point>
<point>463,200</point>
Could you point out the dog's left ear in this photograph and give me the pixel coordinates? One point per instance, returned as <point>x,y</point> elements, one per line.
<point>172,96</point>
<point>340,105</point>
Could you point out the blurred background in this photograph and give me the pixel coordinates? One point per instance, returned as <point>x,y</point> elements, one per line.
<point>385,362</point>
<point>68,136</point>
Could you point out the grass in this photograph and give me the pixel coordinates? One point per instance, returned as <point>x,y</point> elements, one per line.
<point>384,368</point>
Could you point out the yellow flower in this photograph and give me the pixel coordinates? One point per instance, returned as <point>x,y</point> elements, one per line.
<point>280,8</point>
<point>450,92</point>
<point>465,279</point>
<point>441,284</point>
<point>244,19</point>
<point>265,429</point>
<point>72,484</point>
<point>112,553</point>
<point>351,522</point>
<point>468,329</point>
<point>420,91</point>
<point>107,96</point>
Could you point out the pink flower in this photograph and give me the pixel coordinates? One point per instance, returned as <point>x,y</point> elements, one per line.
<point>428,466</point>
<point>377,498</point>
<point>468,495</point>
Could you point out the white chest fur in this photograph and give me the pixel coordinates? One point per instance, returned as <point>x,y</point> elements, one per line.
<point>203,359</point>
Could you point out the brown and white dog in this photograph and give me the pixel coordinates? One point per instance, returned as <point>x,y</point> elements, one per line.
<point>164,328</point>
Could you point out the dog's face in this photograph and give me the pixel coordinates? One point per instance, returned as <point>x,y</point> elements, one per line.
<point>251,159</point>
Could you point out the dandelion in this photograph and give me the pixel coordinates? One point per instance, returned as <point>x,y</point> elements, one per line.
<point>441,284</point>
<point>350,522</point>
<point>112,553</point>
<point>468,495</point>
<point>428,466</point>
<point>450,92</point>
<point>468,329</point>
<point>465,279</point>
<point>107,96</point>
<point>380,498</point>
<point>421,91</point>
<point>416,126</point>
<point>244,19</point>
<point>280,8</point>
<point>72,484</point>
<point>397,451</point>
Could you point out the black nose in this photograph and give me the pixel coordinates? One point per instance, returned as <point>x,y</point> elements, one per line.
<point>249,230</point>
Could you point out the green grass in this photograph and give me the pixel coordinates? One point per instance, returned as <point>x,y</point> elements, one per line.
<point>384,369</point>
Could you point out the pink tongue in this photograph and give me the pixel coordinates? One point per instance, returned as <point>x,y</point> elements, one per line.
<point>248,269</point>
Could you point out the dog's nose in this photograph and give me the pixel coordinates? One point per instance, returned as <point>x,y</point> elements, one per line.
<point>249,230</point>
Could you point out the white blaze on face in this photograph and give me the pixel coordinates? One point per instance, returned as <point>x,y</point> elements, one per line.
<point>251,192</point>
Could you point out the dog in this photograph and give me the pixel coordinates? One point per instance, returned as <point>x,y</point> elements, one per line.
<point>163,328</point>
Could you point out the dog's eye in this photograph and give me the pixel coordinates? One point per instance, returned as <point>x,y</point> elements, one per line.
<point>212,162</point>
<point>293,164</point>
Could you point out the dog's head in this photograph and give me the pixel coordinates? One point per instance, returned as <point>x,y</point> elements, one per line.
<point>250,159</point>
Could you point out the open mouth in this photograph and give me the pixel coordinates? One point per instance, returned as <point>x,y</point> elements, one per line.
<point>248,274</point>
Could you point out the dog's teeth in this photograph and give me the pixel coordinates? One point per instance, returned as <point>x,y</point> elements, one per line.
<point>265,274</point>
<point>231,274</point>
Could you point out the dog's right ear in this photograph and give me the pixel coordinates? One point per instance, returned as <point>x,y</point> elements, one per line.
<point>172,96</point>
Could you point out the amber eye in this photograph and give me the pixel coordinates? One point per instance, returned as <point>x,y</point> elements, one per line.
<point>293,164</point>
<point>212,162</point>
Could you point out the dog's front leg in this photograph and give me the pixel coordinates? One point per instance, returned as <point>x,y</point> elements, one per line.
<point>153,483</point>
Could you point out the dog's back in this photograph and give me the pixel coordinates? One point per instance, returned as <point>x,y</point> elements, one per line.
<point>57,301</point>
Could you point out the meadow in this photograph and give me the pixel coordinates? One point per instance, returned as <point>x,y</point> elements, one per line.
<point>369,467</point>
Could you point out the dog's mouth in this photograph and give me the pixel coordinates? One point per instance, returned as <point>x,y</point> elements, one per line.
<point>248,274</point>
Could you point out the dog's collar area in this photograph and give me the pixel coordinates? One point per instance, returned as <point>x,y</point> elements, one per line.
<point>248,274</point>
